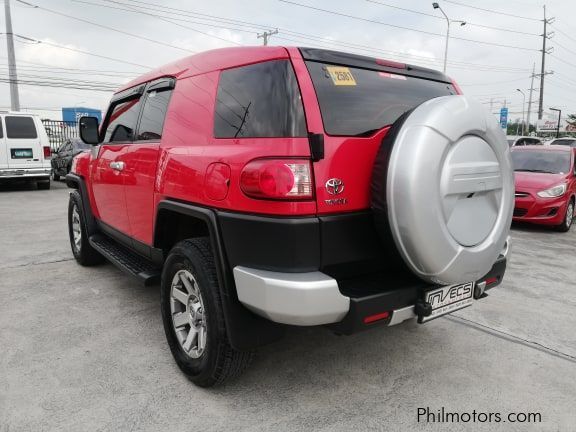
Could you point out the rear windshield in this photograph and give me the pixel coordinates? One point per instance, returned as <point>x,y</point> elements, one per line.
<point>20,127</point>
<point>541,161</point>
<point>566,142</point>
<point>358,102</point>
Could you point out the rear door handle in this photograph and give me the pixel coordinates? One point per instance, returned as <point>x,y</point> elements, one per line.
<point>117,166</point>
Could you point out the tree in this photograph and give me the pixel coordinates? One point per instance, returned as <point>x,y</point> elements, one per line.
<point>571,119</point>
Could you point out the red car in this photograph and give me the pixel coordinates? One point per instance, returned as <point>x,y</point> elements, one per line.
<point>267,187</point>
<point>545,185</point>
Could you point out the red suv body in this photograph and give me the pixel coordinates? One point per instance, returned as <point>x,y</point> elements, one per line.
<point>242,171</point>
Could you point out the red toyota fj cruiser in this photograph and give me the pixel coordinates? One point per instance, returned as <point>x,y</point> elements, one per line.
<point>270,186</point>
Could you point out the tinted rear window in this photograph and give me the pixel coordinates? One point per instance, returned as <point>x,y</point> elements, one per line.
<point>358,101</point>
<point>541,161</point>
<point>20,127</point>
<point>260,100</point>
<point>566,142</point>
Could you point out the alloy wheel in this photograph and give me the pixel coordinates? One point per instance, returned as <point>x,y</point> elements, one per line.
<point>569,214</point>
<point>187,309</point>
<point>76,229</point>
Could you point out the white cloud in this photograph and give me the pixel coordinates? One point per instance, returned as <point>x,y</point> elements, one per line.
<point>50,55</point>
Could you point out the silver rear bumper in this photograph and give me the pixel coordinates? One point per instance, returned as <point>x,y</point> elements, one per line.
<point>304,299</point>
<point>24,172</point>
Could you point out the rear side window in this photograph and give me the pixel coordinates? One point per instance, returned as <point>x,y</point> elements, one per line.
<point>122,122</point>
<point>1,131</point>
<point>153,114</point>
<point>20,127</point>
<point>358,102</point>
<point>260,100</point>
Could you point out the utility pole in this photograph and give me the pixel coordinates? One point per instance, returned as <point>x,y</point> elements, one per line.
<point>530,97</point>
<point>12,74</point>
<point>545,36</point>
<point>266,35</point>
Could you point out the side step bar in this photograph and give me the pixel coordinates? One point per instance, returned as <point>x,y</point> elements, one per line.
<point>126,260</point>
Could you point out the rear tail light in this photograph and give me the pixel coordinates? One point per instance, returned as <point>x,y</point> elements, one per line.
<point>284,179</point>
<point>47,152</point>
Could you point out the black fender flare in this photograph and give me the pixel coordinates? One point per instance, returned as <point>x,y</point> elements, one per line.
<point>74,181</point>
<point>246,330</point>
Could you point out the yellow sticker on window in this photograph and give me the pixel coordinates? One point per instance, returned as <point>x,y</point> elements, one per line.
<point>341,76</point>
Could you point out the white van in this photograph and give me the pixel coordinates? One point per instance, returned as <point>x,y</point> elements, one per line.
<point>24,149</point>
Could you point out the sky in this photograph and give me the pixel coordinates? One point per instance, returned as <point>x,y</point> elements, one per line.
<point>105,43</point>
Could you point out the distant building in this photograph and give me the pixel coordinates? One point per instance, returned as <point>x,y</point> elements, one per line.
<point>73,114</point>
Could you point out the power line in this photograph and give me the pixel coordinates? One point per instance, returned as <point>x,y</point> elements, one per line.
<point>46,66</point>
<point>105,27</point>
<point>54,85</point>
<point>493,83</point>
<point>161,18</point>
<point>288,32</point>
<point>441,18</point>
<point>66,72</point>
<point>406,28</point>
<point>555,26</point>
<point>26,38</point>
<point>178,18</point>
<point>492,11</point>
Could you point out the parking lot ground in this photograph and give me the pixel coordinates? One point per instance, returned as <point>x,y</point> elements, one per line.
<point>83,349</point>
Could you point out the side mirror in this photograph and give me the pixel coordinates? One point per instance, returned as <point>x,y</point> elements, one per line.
<point>89,130</point>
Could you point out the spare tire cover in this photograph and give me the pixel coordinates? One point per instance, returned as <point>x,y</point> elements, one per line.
<point>449,189</point>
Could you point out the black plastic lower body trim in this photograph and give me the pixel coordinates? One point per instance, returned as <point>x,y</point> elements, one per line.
<point>387,300</point>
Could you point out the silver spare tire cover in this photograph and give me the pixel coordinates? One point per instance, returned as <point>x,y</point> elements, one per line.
<point>450,190</point>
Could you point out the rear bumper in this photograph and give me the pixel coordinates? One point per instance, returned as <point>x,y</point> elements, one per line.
<point>16,173</point>
<point>314,298</point>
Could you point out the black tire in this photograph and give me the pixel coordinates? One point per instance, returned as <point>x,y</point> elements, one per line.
<point>85,254</point>
<point>567,221</point>
<point>43,185</point>
<point>218,362</point>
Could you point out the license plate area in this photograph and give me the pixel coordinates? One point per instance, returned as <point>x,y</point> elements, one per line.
<point>445,300</point>
<point>21,153</point>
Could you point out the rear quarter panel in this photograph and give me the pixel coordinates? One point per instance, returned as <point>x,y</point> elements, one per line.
<point>188,148</point>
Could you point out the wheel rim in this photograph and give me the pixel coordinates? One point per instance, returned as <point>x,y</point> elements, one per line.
<point>187,308</point>
<point>569,214</point>
<point>76,229</point>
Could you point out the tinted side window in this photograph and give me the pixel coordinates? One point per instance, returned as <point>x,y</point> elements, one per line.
<point>122,122</point>
<point>20,127</point>
<point>153,114</point>
<point>1,131</point>
<point>260,100</point>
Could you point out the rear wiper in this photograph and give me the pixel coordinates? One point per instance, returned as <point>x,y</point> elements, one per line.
<point>535,170</point>
<point>368,132</point>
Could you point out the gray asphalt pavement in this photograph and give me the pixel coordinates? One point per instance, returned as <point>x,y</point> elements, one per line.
<point>83,349</point>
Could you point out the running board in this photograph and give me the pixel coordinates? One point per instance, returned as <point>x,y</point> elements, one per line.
<point>126,260</point>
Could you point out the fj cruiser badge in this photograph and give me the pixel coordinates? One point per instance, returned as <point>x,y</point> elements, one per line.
<point>334,186</point>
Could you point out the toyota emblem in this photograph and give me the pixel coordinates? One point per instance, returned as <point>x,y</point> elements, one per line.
<point>334,186</point>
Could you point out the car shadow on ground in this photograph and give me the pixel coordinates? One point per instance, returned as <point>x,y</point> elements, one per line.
<point>528,227</point>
